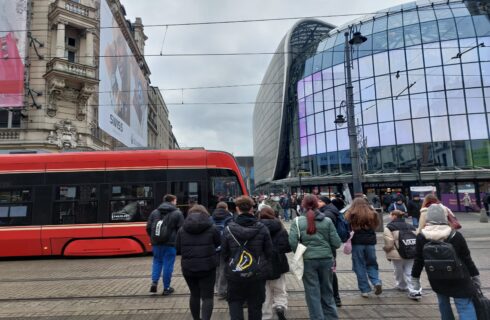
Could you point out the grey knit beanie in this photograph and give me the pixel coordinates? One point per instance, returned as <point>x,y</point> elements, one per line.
<point>436,214</point>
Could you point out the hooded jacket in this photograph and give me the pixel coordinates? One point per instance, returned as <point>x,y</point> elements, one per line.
<point>391,234</point>
<point>175,220</point>
<point>319,245</point>
<point>330,211</point>
<point>280,246</point>
<point>197,241</point>
<point>449,287</point>
<point>221,216</point>
<point>251,233</point>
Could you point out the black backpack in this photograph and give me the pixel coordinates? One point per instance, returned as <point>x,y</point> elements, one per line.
<point>243,265</point>
<point>406,241</point>
<point>442,261</point>
<point>161,231</point>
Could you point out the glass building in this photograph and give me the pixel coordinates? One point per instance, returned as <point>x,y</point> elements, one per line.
<point>422,105</point>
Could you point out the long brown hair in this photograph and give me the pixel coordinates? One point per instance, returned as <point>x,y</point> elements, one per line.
<point>429,199</point>
<point>361,216</point>
<point>310,203</point>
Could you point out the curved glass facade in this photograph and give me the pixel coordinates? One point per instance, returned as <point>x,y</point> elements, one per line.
<point>421,93</point>
<point>272,114</point>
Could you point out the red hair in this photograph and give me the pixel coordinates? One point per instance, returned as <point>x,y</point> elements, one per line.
<point>310,203</point>
<point>429,199</point>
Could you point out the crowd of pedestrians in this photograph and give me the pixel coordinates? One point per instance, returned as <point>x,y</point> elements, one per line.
<point>241,256</point>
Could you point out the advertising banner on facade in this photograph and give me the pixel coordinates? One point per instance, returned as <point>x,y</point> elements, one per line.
<point>13,41</point>
<point>123,98</point>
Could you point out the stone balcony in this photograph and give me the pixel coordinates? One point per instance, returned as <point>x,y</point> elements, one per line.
<point>71,71</point>
<point>73,13</point>
<point>9,134</point>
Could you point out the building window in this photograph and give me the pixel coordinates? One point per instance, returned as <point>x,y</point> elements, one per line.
<point>9,118</point>
<point>71,49</point>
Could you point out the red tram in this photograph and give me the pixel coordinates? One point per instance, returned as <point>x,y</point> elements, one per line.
<point>97,203</point>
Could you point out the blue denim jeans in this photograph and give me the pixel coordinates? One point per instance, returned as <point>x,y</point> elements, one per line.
<point>163,257</point>
<point>286,214</point>
<point>365,266</point>
<point>415,222</point>
<point>317,280</point>
<point>465,307</point>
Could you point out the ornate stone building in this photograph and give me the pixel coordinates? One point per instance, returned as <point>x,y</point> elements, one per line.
<point>62,81</point>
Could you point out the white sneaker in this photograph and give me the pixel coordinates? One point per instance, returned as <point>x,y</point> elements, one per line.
<point>365,294</point>
<point>415,296</point>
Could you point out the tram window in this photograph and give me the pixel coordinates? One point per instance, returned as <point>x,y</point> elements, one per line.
<point>131,203</point>
<point>187,194</point>
<point>224,189</point>
<point>15,207</point>
<point>75,204</point>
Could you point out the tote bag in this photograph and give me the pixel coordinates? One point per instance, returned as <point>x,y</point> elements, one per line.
<point>348,244</point>
<point>297,264</point>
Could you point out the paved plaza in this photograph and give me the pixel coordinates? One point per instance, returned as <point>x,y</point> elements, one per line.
<point>117,288</point>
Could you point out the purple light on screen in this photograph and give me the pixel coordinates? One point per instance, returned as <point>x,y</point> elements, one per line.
<point>302,108</point>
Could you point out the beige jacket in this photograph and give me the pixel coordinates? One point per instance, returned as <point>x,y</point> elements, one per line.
<point>423,217</point>
<point>390,238</point>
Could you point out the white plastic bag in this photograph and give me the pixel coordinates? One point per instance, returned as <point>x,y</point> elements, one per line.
<point>297,264</point>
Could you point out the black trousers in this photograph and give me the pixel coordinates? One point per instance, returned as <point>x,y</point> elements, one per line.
<point>252,292</point>
<point>201,288</point>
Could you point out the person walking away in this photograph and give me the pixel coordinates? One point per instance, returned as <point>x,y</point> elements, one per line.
<point>273,202</point>
<point>467,202</point>
<point>486,203</point>
<point>330,211</point>
<point>338,202</point>
<point>197,242</point>
<point>246,237</point>
<point>285,203</point>
<point>399,246</point>
<point>276,296</point>
<point>429,200</point>
<point>398,205</point>
<point>437,234</point>
<point>387,200</point>
<point>319,235</point>
<point>413,209</point>
<point>162,226</point>
<point>221,217</point>
<point>364,221</point>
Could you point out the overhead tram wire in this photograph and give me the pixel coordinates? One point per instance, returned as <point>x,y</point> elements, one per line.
<point>184,24</point>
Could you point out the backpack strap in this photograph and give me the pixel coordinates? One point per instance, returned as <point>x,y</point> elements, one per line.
<point>238,242</point>
<point>451,236</point>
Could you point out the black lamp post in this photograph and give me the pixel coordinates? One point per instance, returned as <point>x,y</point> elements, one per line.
<point>357,39</point>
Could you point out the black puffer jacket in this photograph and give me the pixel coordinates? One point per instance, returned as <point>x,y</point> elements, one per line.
<point>330,211</point>
<point>175,220</point>
<point>364,237</point>
<point>280,246</point>
<point>246,228</point>
<point>197,241</point>
<point>449,287</point>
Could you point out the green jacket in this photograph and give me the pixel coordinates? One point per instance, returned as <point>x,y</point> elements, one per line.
<point>319,245</point>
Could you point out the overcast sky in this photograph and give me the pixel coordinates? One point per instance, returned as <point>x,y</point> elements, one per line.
<point>223,127</point>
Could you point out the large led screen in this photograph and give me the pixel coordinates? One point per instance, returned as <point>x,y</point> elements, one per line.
<point>123,95</point>
<point>13,40</point>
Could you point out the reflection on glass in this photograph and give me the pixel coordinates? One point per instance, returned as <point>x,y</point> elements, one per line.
<point>311,145</point>
<point>461,150</point>
<point>304,146</point>
<point>366,67</point>
<point>329,120</point>
<point>478,128</point>
<point>481,153</point>
<point>426,14</point>
<point>343,139</point>
<point>437,104</point>
<point>380,41</point>
<point>332,141</point>
<point>421,130</point>
<point>414,58</point>
<point>302,127</point>
<point>419,105</point>
<point>440,129</point>
<point>310,124</point>
<point>403,132</point>
<point>474,101</point>
<point>385,111</point>
<point>416,77</point>
<point>369,112</point>
<point>432,55</point>
<point>374,159</point>
<point>371,135</point>
<point>455,102</point>
<point>328,99</point>
<point>449,50</point>
<point>397,60</point>
<point>327,78</point>
<point>429,31</point>
<point>401,108</point>
<point>367,89</point>
<point>319,122</point>
<point>317,82</point>
<point>395,38</point>
<point>383,87</point>
<point>388,156</point>
<point>302,108</point>
<point>434,78</point>
<point>318,102</point>
<point>447,29</point>
<point>410,17</point>
<point>386,133</point>
<point>471,74</point>
<point>459,127</point>
<point>308,85</point>
<point>412,35</point>
<point>321,146</point>
<point>381,63</point>
<point>309,105</point>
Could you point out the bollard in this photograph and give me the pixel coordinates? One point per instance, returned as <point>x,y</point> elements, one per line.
<point>483,216</point>
<point>380,227</point>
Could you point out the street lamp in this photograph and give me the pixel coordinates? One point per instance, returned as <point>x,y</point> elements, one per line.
<point>357,39</point>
